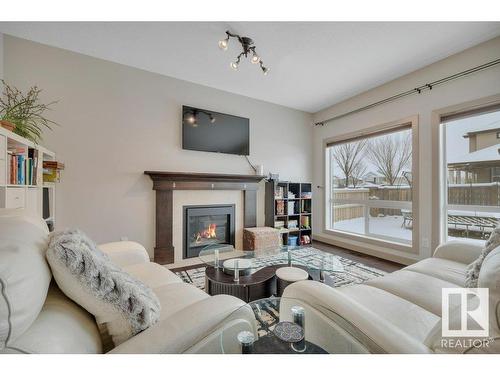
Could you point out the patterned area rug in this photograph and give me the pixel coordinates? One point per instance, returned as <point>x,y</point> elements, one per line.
<point>354,272</point>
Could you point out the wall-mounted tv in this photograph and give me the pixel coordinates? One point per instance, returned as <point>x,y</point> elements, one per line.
<point>204,130</point>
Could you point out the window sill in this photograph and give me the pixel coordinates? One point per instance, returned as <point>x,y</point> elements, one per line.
<point>406,248</point>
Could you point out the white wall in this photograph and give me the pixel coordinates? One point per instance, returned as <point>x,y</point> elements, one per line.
<point>117,122</point>
<point>473,87</point>
<point>1,56</point>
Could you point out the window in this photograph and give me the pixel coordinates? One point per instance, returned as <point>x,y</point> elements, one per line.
<point>370,185</point>
<point>472,183</point>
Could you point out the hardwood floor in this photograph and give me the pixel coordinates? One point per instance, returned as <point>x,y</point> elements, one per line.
<point>371,261</point>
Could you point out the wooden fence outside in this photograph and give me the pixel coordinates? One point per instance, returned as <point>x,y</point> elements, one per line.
<point>482,195</point>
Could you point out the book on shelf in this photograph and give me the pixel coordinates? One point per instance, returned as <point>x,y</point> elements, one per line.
<point>22,167</point>
<point>51,170</point>
<point>279,224</point>
<point>53,164</point>
<point>305,239</point>
<point>280,208</point>
<point>305,207</point>
<point>279,192</point>
<point>305,222</point>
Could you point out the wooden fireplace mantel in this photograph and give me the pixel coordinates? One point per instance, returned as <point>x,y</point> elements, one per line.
<point>165,183</point>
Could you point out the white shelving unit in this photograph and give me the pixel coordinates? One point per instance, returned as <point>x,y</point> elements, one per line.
<point>30,197</point>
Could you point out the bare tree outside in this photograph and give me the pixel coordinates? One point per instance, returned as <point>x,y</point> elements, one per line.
<point>391,155</point>
<point>349,158</point>
<point>358,173</point>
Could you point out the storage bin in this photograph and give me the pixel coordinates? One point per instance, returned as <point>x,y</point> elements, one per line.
<point>292,240</point>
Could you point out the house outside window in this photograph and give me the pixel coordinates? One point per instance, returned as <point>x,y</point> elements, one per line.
<point>472,187</point>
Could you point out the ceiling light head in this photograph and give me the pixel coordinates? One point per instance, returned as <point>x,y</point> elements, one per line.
<point>223,44</point>
<point>255,59</point>
<point>212,119</point>
<point>234,65</point>
<point>190,119</point>
<point>265,70</point>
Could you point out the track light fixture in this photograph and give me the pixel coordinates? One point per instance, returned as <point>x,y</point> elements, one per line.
<point>191,118</point>
<point>248,47</point>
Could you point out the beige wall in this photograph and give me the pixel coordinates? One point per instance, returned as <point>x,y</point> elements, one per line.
<point>473,87</point>
<point>485,140</point>
<point>118,121</point>
<point>1,56</point>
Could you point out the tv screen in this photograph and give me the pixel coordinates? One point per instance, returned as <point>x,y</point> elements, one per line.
<point>204,130</point>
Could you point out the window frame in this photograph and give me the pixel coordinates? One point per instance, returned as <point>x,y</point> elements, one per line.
<point>443,185</point>
<point>439,195</point>
<point>410,122</point>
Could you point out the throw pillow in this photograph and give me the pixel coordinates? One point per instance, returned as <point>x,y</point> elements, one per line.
<point>473,269</point>
<point>86,275</point>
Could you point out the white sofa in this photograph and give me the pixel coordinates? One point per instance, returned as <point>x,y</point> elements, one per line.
<point>36,317</point>
<point>399,312</point>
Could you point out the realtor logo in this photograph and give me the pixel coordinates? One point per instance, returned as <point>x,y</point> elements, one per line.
<point>471,319</point>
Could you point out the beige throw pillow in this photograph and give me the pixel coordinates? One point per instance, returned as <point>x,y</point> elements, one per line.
<point>473,269</point>
<point>87,276</point>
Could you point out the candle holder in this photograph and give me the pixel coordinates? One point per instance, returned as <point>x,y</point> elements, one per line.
<point>216,259</point>
<point>299,318</point>
<point>246,340</point>
<point>236,271</point>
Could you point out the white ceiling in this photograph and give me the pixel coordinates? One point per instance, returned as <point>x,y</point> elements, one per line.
<point>313,64</point>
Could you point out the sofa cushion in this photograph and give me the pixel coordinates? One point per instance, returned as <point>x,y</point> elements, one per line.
<point>152,274</point>
<point>418,288</point>
<point>381,319</point>
<point>444,269</point>
<point>61,327</point>
<point>176,296</point>
<point>122,303</point>
<point>24,273</point>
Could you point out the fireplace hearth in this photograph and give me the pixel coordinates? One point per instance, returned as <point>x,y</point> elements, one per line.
<point>207,225</point>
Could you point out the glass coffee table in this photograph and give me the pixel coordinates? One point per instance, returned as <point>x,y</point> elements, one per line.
<point>284,326</point>
<point>250,275</point>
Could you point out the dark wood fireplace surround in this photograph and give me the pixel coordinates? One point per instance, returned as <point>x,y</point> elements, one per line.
<point>165,183</point>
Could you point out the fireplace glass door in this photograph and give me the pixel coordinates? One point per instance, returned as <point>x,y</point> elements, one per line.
<point>207,225</point>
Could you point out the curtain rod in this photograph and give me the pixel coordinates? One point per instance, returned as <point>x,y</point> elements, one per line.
<point>416,90</point>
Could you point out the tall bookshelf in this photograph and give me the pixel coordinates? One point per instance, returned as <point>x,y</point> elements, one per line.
<point>31,195</point>
<point>296,200</point>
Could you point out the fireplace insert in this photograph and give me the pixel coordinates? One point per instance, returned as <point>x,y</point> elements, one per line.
<point>207,225</point>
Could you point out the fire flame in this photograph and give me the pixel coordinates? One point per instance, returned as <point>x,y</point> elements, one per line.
<point>207,233</point>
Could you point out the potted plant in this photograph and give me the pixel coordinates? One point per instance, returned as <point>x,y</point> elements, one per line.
<point>23,113</point>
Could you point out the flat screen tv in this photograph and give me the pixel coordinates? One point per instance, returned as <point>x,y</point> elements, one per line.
<point>204,130</point>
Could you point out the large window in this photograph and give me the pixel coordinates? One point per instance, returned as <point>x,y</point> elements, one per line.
<point>370,185</point>
<point>472,166</point>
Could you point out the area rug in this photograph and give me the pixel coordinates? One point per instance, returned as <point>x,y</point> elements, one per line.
<point>354,272</point>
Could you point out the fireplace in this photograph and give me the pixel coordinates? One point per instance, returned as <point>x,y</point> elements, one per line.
<point>207,225</point>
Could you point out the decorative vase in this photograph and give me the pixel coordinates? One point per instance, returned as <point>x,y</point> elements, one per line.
<point>7,125</point>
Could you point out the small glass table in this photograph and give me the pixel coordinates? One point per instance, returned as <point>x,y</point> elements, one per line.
<point>251,275</point>
<point>322,264</point>
<point>228,259</point>
<point>283,326</point>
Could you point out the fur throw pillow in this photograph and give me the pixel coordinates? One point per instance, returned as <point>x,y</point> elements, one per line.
<point>86,275</point>
<point>474,268</point>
